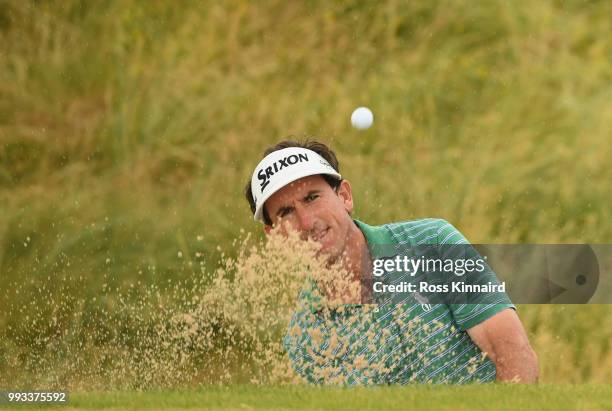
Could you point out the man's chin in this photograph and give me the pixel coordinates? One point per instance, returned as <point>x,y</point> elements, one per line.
<point>322,251</point>
<point>330,255</point>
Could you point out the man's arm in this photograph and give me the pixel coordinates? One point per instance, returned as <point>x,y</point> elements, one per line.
<point>503,338</point>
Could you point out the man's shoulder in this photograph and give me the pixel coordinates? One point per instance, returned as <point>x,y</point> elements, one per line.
<point>422,231</point>
<point>416,225</point>
<point>418,231</point>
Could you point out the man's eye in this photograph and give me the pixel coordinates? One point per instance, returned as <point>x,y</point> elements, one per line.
<point>284,212</point>
<point>311,197</point>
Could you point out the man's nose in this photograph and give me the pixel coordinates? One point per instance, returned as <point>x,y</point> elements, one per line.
<point>305,219</point>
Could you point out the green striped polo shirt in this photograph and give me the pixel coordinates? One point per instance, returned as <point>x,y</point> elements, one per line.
<point>391,343</point>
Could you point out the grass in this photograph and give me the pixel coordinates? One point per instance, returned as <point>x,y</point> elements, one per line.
<point>128,129</point>
<point>499,397</point>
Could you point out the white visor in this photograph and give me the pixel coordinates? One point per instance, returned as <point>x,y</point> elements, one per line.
<point>282,167</point>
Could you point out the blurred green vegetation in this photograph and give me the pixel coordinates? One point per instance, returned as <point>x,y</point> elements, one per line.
<point>461,398</point>
<point>129,128</point>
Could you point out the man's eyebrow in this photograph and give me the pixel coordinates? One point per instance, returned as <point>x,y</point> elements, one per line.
<point>283,209</point>
<point>311,192</point>
<point>288,207</point>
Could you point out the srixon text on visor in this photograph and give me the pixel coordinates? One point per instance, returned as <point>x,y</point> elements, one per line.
<point>265,173</point>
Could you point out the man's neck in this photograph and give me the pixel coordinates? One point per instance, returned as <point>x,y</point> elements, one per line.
<point>358,260</point>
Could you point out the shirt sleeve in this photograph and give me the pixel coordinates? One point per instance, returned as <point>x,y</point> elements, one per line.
<point>467,310</point>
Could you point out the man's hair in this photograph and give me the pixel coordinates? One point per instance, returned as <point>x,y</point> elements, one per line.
<point>316,146</point>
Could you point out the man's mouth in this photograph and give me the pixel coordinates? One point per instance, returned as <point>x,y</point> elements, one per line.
<point>320,235</point>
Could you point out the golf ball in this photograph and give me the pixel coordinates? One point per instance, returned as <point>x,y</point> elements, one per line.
<point>362,118</point>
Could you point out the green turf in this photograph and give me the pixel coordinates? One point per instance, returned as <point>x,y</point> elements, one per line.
<point>475,397</point>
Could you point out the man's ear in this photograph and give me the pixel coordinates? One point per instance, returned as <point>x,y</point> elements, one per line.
<point>346,195</point>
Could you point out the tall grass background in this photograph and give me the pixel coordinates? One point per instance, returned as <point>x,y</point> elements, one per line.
<point>129,128</point>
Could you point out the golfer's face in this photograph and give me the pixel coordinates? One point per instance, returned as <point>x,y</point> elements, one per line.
<point>310,206</point>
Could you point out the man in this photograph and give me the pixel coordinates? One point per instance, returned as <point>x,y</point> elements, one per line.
<point>298,186</point>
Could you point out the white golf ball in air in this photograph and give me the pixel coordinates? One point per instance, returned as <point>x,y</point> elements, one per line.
<point>362,118</point>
